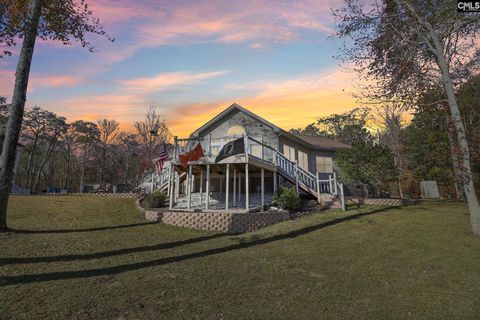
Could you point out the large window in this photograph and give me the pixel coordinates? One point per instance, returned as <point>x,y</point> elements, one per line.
<point>289,152</point>
<point>324,164</point>
<point>303,160</point>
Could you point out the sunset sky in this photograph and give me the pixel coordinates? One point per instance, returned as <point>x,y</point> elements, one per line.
<point>192,59</point>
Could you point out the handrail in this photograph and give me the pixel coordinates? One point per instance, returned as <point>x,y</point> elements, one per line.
<point>309,180</point>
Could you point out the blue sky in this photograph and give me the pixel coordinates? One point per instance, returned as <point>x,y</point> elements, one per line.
<point>192,59</point>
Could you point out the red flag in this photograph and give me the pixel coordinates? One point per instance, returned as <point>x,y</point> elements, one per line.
<point>192,155</point>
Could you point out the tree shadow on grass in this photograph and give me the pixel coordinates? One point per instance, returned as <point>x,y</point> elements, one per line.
<point>106,254</point>
<point>78,274</point>
<point>55,231</point>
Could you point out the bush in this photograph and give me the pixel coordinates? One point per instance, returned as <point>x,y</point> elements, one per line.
<point>288,199</point>
<point>156,199</point>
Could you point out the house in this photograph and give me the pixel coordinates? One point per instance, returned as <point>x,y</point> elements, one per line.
<point>237,160</point>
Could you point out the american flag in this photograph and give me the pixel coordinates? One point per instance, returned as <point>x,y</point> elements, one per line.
<point>162,158</point>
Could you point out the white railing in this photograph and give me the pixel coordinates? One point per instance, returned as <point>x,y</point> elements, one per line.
<point>260,150</point>
<point>160,180</point>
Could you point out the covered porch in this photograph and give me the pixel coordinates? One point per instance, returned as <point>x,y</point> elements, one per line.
<point>236,184</point>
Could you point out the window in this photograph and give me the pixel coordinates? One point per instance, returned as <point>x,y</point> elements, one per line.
<point>324,164</point>
<point>289,152</point>
<point>235,131</point>
<point>256,150</point>
<point>303,160</point>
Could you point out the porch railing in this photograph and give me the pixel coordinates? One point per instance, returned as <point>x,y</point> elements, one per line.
<point>260,150</point>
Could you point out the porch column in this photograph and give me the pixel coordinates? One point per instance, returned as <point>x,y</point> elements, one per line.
<point>296,175</point>
<point>207,188</point>
<point>189,187</point>
<point>274,181</point>
<point>201,186</point>
<point>177,184</point>
<point>239,185</point>
<point>247,204</point>
<point>234,186</point>
<point>335,183</point>
<point>330,184</point>
<point>171,186</point>
<point>227,191</point>
<point>262,186</point>
<point>193,184</point>
<point>221,187</point>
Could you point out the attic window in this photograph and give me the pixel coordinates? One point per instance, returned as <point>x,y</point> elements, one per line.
<point>235,131</point>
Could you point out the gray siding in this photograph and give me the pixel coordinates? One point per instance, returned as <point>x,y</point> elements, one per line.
<point>252,127</point>
<point>312,154</point>
<point>260,131</point>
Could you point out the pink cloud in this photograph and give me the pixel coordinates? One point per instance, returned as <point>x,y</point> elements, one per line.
<point>156,23</point>
<point>165,80</point>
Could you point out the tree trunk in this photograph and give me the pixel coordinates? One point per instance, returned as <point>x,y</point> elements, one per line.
<point>30,162</point>
<point>104,159</point>
<point>126,169</point>
<point>457,167</point>
<point>437,48</point>
<point>82,176</point>
<point>15,115</point>
<point>473,205</point>
<point>67,169</point>
<point>42,164</point>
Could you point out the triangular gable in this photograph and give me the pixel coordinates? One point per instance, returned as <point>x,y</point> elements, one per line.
<point>241,109</point>
<point>226,112</point>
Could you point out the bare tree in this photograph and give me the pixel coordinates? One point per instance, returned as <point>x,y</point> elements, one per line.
<point>68,139</point>
<point>127,147</point>
<point>390,122</point>
<point>108,130</point>
<point>88,136</point>
<point>56,126</point>
<point>151,131</point>
<point>36,121</point>
<point>409,47</point>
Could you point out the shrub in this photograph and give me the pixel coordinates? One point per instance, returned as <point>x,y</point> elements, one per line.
<point>156,199</point>
<point>288,199</point>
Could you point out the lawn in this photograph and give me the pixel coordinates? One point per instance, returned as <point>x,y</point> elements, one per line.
<point>89,258</point>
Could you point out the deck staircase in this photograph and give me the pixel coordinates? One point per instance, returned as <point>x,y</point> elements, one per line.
<point>327,192</point>
<point>160,181</point>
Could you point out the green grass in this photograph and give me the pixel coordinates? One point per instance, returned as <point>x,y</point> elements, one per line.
<point>88,258</point>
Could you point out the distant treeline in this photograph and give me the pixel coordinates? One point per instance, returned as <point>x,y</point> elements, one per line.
<point>68,155</point>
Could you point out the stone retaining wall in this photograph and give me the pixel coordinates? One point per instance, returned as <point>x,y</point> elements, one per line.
<point>388,202</point>
<point>229,222</point>
<point>130,195</point>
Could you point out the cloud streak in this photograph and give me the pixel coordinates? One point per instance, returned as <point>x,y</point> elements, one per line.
<point>163,81</point>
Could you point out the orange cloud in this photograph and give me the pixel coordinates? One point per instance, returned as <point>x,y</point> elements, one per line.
<point>289,104</point>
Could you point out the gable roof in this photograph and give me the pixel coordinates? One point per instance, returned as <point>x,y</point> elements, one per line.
<point>312,142</point>
<point>323,143</point>
<point>232,108</point>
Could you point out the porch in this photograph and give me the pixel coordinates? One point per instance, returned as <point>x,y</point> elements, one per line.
<point>243,182</point>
